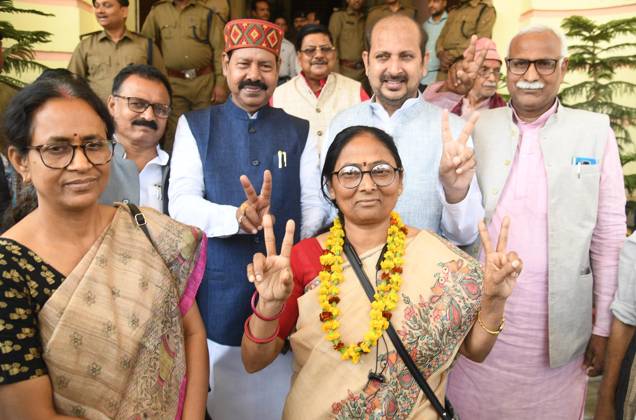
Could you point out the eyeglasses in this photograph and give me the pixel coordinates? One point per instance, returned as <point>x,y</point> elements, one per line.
<point>311,51</point>
<point>486,72</point>
<point>382,175</point>
<point>60,156</point>
<point>543,66</point>
<point>138,105</point>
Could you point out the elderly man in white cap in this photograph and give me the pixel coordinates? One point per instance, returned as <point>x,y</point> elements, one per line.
<point>483,94</point>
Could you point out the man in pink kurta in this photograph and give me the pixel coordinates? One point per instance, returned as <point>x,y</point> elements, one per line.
<point>517,381</point>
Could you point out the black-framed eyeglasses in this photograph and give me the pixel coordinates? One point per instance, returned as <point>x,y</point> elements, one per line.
<point>311,51</point>
<point>60,156</point>
<point>382,175</point>
<point>543,66</point>
<point>139,105</point>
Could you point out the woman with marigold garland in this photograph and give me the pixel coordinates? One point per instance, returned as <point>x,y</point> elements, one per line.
<point>439,299</point>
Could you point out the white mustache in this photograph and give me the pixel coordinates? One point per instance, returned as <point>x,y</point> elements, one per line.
<point>522,84</point>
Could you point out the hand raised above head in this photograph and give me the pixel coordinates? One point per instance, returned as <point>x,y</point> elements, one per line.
<point>457,165</point>
<point>250,213</point>
<point>501,268</point>
<point>462,75</point>
<point>271,273</point>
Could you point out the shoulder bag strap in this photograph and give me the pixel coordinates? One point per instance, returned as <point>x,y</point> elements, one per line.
<point>140,220</point>
<point>356,264</point>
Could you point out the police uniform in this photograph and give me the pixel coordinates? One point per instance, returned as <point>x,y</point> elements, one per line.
<point>191,40</point>
<point>98,59</point>
<point>238,9</point>
<point>378,12</point>
<point>467,18</point>
<point>347,30</point>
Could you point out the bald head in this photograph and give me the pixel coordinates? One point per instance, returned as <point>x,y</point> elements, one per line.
<point>394,23</point>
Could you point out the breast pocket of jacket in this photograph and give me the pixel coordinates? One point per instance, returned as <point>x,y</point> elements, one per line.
<point>280,161</point>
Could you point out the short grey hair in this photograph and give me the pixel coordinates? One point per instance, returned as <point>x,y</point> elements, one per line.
<point>538,28</point>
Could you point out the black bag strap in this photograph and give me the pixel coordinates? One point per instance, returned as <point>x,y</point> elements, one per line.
<point>356,264</point>
<point>140,220</point>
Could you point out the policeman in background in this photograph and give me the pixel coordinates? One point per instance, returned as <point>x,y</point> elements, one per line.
<point>347,29</point>
<point>100,55</point>
<point>468,17</point>
<point>190,35</point>
<point>390,7</point>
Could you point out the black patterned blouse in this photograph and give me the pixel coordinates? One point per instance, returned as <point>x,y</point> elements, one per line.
<point>26,283</point>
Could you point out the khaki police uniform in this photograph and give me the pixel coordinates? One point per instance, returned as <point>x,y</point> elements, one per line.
<point>98,59</point>
<point>378,12</point>
<point>220,7</point>
<point>238,9</point>
<point>468,18</point>
<point>347,30</point>
<point>191,40</point>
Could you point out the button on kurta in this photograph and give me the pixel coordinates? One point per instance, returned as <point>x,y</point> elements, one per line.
<point>256,162</point>
<point>318,110</point>
<point>319,132</point>
<point>251,130</point>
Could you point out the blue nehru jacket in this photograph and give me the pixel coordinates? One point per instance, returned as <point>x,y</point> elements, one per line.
<point>230,145</point>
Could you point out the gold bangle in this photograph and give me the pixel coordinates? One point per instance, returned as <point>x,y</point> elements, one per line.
<point>491,332</point>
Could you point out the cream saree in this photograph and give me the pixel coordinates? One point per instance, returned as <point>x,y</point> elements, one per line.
<point>440,297</point>
<point>112,332</point>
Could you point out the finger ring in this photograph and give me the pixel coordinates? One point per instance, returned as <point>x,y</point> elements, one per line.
<point>240,219</point>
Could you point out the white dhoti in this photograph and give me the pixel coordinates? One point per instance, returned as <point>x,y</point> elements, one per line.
<point>238,395</point>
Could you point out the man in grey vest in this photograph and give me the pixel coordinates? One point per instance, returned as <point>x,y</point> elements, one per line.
<point>556,172</point>
<point>440,189</point>
<point>140,104</point>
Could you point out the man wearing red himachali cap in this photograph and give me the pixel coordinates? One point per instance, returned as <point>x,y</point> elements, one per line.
<point>231,165</point>
<point>483,93</point>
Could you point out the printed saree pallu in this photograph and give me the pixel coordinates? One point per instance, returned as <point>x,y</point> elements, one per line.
<point>112,332</point>
<point>439,299</point>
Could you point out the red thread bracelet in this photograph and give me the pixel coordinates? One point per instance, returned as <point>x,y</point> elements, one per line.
<point>248,333</point>
<point>260,315</point>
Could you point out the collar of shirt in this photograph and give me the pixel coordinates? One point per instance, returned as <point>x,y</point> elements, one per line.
<point>386,121</point>
<point>352,12</point>
<point>241,114</point>
<point>441,21</point>
<point>104,35</point>
<point>161,159</point>
<point>323,82</point>
<point>539,122</point>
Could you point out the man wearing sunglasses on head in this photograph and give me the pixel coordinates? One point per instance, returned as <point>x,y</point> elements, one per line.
<point>140,104</point>
<point>557,170</point>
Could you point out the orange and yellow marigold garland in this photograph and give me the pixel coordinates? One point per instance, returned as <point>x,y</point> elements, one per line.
<point>385,298</point>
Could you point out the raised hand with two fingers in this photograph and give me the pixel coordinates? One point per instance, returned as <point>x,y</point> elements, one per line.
<point>251,212</point>
<point>462,75</point>
<point>457,165</point>
<point>271,274</point>
<point>501,267</point>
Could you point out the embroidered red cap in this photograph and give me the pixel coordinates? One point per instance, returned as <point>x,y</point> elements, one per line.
<point>253,33</point>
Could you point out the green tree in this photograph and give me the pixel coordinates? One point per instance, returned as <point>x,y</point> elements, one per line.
<point>19,55</point>
<point>596,53</point>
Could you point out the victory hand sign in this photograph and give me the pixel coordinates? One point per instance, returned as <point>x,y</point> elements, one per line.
<point>457,166</point>
<point>271,273</point>
<point>250,213</point>
<point>501,268</point>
